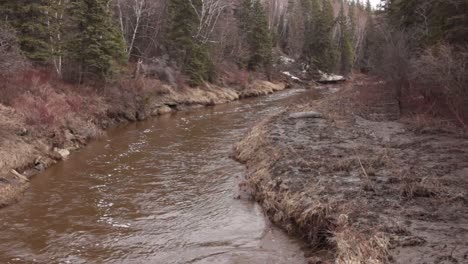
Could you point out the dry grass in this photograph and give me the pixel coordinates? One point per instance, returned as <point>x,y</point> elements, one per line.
<point>355,248</point>
<point>10,193</point>
<point>259,88</point>
<point>39,113</point>
<point>342,182</point>
<point>428,123</point>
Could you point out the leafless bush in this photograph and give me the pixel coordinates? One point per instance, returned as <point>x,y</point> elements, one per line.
<point>442,74</point>
<point>10,57</point>
<point>389,56</point>
<point>51,109</point>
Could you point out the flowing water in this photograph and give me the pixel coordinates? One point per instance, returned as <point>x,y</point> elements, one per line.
<point>159,191</point>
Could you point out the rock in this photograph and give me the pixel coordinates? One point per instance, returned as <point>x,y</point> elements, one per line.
<point>22,132</point>
<point>292,77</point>
<point>69,136</point>
<point>130,115</point>
<point>330,78</point>
<point>39,166</point>
<point>64,153</point>
<point>310,114</point>
<point>3,180</point>
<point>20,176</point>
<point>164,110</point>
<point>286,60</point>
<point>141,114</point>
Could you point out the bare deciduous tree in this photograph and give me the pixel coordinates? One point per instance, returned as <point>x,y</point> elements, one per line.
<point>140,22</point>
<point>208,16</point>
<point>10,57</point>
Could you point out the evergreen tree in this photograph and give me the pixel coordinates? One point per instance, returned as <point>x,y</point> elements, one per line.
<point>325,49</point>
<point>30,20</point>
<point>431,21</point>
<point>311,30</point>
<point>93,41</point>
<point>370,45</point>
<point>359,4</point>
<point>368,7</point>
<point>246,17</point>
<point>346,49</point>
<point>352,20</point>
<point>260,39</point>
<point>254,22</point>
<point>192,54</point>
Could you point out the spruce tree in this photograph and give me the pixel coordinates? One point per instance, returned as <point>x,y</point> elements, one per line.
<point>325,49</point>
<point>245,18</point>
<point>93,41</point>
<point>358,4</point>
<point>254,21</point>
<point>352,20</point>
<point>311,43</point>
<point>346,49</point>
<point>368,7</point>
<point>260,39</point>
<point>188,51</point>
<point>369,46</point>
<point>30,20</point>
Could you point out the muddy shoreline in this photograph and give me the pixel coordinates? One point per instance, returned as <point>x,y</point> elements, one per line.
<point>359,189</point>
<point>24,155</point>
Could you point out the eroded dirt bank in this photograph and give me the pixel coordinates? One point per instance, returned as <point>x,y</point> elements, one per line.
<point>23,152</point>
<point>360,190</point>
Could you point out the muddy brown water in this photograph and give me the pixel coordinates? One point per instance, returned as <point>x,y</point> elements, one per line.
<point>159,191</point>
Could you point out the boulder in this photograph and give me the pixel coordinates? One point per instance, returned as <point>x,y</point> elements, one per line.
<point>330,78</point>
<point>20,176</point>
<point>164,110</point>
<point>63,153</point>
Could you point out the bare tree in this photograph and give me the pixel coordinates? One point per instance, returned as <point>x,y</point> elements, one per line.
<point>10,58</point>
<point>54,24</point>
<point>140,22</point>
<point>208,17</point>
<point>138,9</point>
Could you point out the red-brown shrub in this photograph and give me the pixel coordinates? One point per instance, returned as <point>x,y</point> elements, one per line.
<point>440,76</point>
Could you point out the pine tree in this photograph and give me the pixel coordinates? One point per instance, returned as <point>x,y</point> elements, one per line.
<point>368,7</point>
<point>359,4</point>
<point>311,33</point>
<point>325,49</point>
<point>254,22</point>
<point>93,41</point>
<point>431,21</point>
<point>260,39</point>
<point>187,50</point>
<point>245,17</point>
<point>352,20</point>
<point>369,46</point>
<point>30,20</point>
<point>346,48</point>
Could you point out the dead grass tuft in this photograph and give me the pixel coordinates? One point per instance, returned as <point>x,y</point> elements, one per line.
<point>9,193</point>
<point>356,248</point>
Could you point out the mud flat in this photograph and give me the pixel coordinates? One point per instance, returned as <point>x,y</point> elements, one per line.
<point>24,153</point>
<point>358,190</point>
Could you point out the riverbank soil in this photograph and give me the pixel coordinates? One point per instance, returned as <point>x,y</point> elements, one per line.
<point>45,124</point>
<point>358,185</point>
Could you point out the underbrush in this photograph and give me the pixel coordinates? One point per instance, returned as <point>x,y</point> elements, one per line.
<point>52,108</point>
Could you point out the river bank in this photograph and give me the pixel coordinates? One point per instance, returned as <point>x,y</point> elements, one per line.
<point>359,185</point>
<point>27,148</point>
<point>156,191</point>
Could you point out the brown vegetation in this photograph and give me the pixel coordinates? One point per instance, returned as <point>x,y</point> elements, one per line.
<point>360,191</point>
<point>40,115</point>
